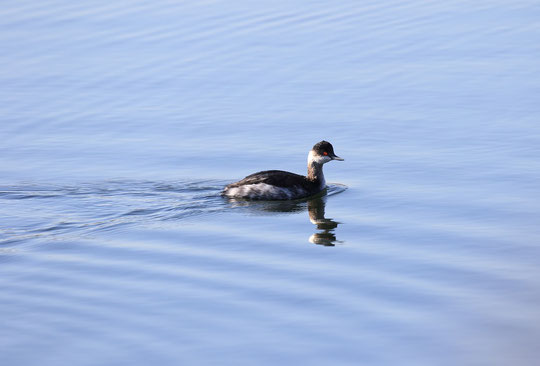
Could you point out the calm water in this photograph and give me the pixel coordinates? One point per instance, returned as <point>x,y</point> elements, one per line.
<point>121,122</point>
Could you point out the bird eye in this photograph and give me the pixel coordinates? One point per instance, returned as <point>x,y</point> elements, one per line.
<point>325,153</point>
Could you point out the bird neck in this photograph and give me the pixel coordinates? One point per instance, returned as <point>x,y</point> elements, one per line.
<point>315,170</point>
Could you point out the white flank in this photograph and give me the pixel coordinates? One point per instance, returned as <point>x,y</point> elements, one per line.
<point>264,191</point>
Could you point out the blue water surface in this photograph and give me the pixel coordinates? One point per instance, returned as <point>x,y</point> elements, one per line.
<point>120,122</point>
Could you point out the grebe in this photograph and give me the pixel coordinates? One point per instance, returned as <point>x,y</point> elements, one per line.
<point>280,185</point>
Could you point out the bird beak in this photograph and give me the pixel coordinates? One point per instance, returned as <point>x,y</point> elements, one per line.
<point>335,157</point>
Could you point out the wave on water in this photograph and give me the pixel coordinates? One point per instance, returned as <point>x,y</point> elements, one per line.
<point>31,211</point>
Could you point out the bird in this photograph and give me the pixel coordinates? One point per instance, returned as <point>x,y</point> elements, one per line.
<point>282,185</point>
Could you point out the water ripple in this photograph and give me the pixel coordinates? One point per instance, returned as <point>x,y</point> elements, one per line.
<point>82,209</point>
<point>100,206</point>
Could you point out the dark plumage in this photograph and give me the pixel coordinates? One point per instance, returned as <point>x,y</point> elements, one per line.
<point>324,146</point>
<point>278,178</point>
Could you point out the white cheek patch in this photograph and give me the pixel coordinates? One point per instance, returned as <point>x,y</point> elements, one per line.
<point>319,159</point>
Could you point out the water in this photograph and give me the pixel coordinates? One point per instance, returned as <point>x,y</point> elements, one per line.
<point>121,122</point>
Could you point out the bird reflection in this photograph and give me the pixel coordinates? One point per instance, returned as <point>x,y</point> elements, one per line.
<point>325,234</point>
